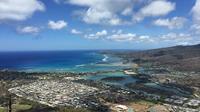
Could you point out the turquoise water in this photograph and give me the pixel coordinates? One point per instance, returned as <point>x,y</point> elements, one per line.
<point>58,61</point>
<point>128,79</point>
<point>98,77</point>
<point>72,61</point>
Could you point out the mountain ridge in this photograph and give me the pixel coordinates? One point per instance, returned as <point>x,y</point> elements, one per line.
<point>183,58</point>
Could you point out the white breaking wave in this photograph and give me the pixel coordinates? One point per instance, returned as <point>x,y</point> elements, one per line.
<point>80,65</point>
<point>105,58</point>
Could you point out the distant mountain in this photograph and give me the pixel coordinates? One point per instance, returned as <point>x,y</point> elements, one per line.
<point>184,58</point>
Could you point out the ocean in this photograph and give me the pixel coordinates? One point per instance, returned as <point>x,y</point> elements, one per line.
<point>58,61</point>
<point>72,61</point>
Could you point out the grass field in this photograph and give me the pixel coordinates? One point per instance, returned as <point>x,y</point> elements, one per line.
<point>2,109</point>
<point>21,107</point>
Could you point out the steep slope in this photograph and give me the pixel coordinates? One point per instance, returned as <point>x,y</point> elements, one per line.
<point>186,58</point>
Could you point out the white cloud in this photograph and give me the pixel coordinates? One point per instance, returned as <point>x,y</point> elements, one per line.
<point>119,5</point>
<point>19,9</point>
<point>111,12</point>
<point>196,28</point>
<point>176,37</point>
<point>173,23</point>
<point>196,17</point>
<point>196,11</point>
<point>91,36</point>
<point>104,11</point>
<point>154,9</point>
<point>97,16</point>
<point>115,21</point>
<point>173,38</point>
<point>28,30</point>
<point>57,25</point>
<point>119,31</point>
<point>179,38</point>
<point>144,37</point>
<point>122,37</point>
<point>74,31</point>
<point>183,43</point>
<point>117,35</point>
<point>102,33</point>
<point>98,35</point>
<point>130,37</point>
<point>127,11</point>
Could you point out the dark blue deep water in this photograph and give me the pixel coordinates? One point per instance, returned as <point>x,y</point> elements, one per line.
<point>70,61</point>
<point>77,61</point>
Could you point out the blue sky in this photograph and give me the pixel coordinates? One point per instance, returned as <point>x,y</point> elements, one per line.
<point>98,24</point>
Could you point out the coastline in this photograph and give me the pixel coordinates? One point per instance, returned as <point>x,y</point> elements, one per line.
<point>106,86</point>
<point>94,61</point>
<point>73,78</point>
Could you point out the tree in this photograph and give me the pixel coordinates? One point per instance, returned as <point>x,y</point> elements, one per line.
<point>10,103</point>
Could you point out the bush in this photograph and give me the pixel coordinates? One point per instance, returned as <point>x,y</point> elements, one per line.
<point>71,109</point>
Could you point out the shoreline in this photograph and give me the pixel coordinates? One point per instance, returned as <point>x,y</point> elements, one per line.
<point>40,76</point>
<point>110,93</point>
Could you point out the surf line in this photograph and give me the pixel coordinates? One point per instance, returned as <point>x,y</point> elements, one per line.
<point>105,58</point>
